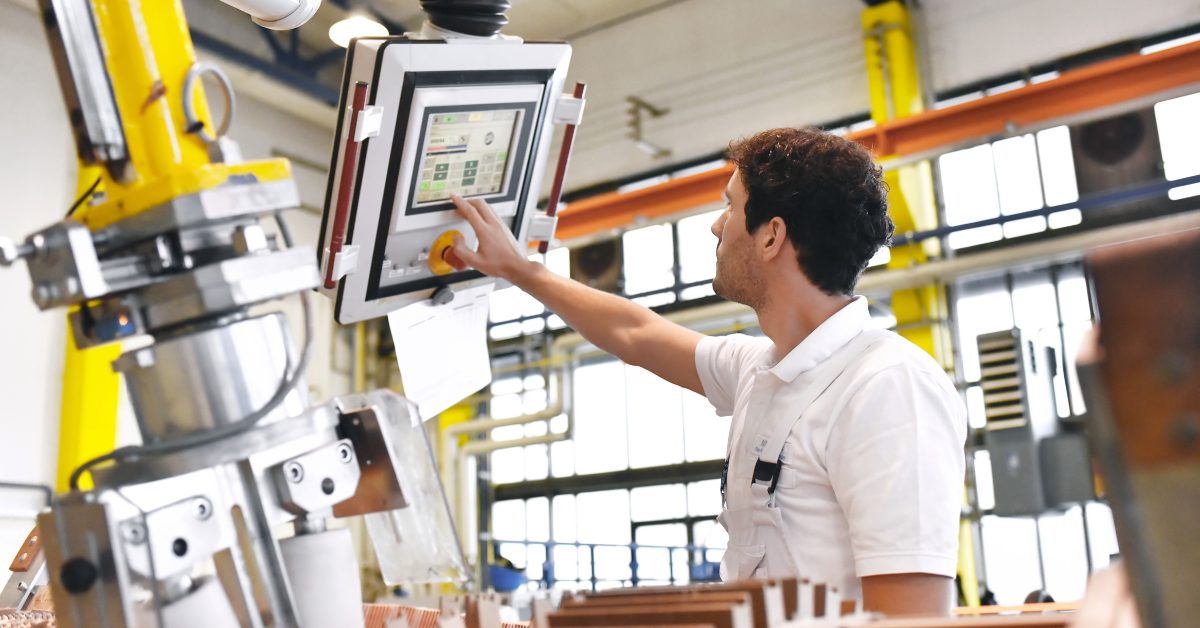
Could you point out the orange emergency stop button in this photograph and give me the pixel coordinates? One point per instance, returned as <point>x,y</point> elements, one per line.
<point>442,260</point>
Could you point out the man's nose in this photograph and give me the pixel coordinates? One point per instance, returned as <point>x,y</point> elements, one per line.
<point>717,224</point>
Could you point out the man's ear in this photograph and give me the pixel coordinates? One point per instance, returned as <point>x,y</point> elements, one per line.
<point>773,238</point>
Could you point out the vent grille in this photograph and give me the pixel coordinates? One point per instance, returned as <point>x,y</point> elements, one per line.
<point>1000,378</point>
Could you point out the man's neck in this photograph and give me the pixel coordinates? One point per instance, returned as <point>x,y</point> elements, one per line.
<point>788,320</point>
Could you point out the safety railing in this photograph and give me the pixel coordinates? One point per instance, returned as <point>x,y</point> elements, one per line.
<point>702,563</point>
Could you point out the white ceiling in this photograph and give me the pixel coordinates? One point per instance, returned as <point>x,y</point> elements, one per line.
<point>727,68</point>
<point>528,19</point>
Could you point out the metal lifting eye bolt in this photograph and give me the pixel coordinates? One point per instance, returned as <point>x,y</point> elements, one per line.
<point>193,76</point>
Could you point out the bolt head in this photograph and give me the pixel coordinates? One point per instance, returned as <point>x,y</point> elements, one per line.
<point>345,453</point>
<point>202,509</point>
<point>294,472</point>
<point>134,533</point>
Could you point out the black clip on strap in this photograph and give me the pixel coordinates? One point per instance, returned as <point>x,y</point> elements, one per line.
<point>767,472</point>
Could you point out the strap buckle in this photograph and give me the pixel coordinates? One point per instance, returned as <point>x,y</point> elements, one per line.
<point>767,473</point>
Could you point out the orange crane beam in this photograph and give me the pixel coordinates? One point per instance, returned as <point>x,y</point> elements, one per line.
<point>1105,84</point>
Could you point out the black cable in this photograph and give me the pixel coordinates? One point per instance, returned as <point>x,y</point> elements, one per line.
<point>289,381</point>
<point>83,197</point>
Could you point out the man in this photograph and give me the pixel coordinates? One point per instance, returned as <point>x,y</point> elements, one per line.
<point>846,457</point>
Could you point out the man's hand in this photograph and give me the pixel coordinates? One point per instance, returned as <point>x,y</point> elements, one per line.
<point>498,254</point>
<point>619,326</point>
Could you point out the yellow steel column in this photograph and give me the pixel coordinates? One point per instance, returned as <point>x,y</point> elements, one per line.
<point>87,425</point>
<point>895,91</point>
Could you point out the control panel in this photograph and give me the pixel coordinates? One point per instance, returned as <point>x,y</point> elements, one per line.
<point>422,120</point>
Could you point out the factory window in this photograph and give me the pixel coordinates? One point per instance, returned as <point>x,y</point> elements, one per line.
<point>1035,171</point>
<point>649,535</point>
<point>1179,132</point>
<point>1011,176</point>
<point>649,258</point>
<point>514,313</point>
<point>697,247</point>
<point>628,417</point>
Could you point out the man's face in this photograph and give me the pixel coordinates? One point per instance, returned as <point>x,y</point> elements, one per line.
<point>739,276</point>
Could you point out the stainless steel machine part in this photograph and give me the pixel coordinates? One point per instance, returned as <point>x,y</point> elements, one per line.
<point>84,80</point>
<point>203,606</point>
<point>324,574</point>
<point>315,481</point>
<point>89,579</point>
<point>211,378</point>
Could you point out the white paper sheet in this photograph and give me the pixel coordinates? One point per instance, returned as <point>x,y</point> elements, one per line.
<point>442,349</point>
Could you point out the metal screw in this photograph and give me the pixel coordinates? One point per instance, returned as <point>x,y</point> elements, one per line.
<point>33,540</point>
<point>24,557</point>
<point>203,509</point>
<point>134,533</point>
<point>345,453</point>
<point>21,586</point>
<point>294,472</point>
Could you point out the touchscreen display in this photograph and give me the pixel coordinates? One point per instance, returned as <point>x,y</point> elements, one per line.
<point>465,153</point>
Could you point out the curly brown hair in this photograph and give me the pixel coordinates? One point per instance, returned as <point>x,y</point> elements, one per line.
<point>829,192</point>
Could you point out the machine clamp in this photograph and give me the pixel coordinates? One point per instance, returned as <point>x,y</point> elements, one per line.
<point>542,226</point>
<point>344,261</point>
<point>370,118</point>
<point>569,110</point>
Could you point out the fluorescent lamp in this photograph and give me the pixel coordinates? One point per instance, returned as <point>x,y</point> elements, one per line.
<point>355,26</point>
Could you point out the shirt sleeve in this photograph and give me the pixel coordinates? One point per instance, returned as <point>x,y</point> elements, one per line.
<point>896,462</point>
<point>720,362</point>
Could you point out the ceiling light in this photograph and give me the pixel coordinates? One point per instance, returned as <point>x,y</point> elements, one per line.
<point>355,26</point>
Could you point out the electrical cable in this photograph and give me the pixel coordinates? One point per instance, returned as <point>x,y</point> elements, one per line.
<point>83,197</point>
<point>289,381</point>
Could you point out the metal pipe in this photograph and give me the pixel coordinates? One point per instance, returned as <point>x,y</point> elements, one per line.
<point>1060,249</point>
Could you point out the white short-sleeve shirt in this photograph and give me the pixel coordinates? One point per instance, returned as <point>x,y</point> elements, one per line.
<point>872,478</point>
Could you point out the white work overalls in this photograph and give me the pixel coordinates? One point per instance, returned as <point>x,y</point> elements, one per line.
<point>758,544</point>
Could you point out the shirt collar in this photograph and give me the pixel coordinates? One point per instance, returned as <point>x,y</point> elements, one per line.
<point>827,338</point>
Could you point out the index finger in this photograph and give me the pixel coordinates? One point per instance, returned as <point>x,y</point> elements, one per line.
<point>468,211</point>
<point>485,211</point>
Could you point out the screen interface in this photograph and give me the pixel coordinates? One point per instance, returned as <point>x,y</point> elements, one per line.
<point>466,153</point>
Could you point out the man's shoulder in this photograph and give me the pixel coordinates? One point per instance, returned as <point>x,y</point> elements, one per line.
<point>893,351</point>
<point>742,347</point>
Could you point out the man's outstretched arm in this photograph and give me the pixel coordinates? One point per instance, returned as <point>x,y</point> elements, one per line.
<point>617,325</point>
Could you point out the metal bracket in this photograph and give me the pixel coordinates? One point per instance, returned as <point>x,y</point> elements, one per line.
<point>314,481</point>
<point>541,227</point>
<point>569,109</point>
<point>370,119</point>
<point>345,262</point>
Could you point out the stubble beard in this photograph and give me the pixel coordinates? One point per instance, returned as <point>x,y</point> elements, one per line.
<point>737,281</point>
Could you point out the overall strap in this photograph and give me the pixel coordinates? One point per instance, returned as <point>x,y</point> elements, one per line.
<point>770,449</point>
